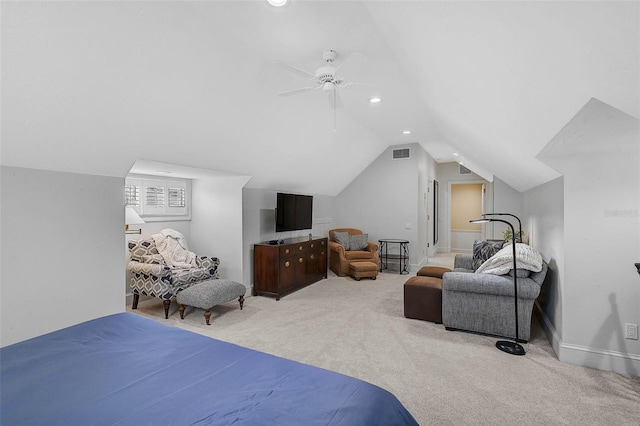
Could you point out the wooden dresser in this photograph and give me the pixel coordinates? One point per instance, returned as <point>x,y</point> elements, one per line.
<point>280,269</point>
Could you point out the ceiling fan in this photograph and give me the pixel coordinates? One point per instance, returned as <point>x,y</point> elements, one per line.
<point>325,78</point>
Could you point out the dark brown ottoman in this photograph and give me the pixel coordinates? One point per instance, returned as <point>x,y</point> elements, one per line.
<point>433,271</point>
<point>423,299</point>
<point>363,270</point>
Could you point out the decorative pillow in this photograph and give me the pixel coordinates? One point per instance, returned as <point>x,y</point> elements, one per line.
<point>483,250</point>
<point>342,238</point>
<point>359,242</point>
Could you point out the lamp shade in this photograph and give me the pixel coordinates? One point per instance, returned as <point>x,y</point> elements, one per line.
<point>131,217</point>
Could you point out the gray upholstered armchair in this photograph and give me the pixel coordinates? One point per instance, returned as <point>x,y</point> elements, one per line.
<point>151,276</point>
<point>484,302</point>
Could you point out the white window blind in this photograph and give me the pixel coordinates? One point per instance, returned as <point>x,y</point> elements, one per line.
<point>132,195</point>
<point>157,199</point>
<point>177,197</point>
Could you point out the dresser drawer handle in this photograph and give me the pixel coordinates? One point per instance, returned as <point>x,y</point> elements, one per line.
<point>300,248</point>
<point>312,257</point>
<point>301,260</point>
<point>286,264</point>
<point>286,250</point>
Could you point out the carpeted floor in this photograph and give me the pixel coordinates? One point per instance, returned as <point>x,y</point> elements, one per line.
<point>442,377</point>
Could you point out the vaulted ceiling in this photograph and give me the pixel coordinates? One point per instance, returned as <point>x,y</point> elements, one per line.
<point>92,87</point>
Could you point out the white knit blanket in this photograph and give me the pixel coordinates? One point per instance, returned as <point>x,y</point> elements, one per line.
<point>172,245</point>
<point>502,262</point>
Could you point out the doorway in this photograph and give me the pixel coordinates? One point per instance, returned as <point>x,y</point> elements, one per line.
<point>466,203</point>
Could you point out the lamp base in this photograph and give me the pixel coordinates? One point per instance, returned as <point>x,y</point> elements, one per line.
<point>511,348</point>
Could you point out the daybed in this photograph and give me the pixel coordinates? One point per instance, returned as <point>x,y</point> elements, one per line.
<point>128,370</point>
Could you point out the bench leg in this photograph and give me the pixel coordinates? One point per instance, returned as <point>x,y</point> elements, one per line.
<point>241,300</point>
<point>207,316</point>
<point>181,309</point>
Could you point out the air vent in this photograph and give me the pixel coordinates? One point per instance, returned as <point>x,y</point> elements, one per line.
<point>401,153</point>
<point>464,170</point>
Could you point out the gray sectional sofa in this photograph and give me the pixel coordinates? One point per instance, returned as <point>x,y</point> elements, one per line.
<point>484,302</point>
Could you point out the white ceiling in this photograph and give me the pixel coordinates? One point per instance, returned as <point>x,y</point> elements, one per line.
<point>92,87</point>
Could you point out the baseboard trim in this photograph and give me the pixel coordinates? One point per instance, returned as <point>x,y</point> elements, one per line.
<point>584,356</point>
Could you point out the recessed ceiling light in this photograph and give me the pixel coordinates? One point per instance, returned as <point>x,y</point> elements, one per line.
<point>277,3</point>
<point>406,132</point>
<point>374,100</point>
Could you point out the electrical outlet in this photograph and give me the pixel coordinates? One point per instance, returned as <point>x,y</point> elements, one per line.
<point>631,331</point>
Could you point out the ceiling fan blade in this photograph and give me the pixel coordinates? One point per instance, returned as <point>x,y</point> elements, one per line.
<point>296,70</point>
<point>296,91</point>
<point>354,54</point>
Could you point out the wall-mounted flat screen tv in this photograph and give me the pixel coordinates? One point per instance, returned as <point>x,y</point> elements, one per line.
<point>293,212</point>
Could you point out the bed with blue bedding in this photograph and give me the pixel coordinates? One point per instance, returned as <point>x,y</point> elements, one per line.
<point>124,369</point>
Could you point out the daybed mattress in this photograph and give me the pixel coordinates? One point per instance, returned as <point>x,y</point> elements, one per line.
<point>126,369</point>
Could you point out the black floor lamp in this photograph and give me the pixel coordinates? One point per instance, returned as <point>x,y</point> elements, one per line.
<point>513,348</point>
<point>512,215</point>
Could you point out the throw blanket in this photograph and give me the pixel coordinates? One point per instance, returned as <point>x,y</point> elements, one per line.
<point>502,262</point>
<point>172,245</point>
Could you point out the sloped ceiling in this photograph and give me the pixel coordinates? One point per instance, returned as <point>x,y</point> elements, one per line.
<point>92,87</point>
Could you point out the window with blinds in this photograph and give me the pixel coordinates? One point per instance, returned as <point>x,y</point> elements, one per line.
<point>177,197</point>
<point>131,195</point>
<point>154,196</point>
<point>158,199</point>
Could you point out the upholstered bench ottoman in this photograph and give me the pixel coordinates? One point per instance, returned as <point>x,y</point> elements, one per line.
<point>360,270</point>
<point>423,299</point>
<point>207,294</point>
<point>433,271</point>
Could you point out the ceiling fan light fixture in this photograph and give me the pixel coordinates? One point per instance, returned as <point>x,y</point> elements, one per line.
<point>374,99</point>
<point>277,3</point>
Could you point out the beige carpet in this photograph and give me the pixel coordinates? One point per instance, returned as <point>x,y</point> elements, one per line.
<point>442,377</point>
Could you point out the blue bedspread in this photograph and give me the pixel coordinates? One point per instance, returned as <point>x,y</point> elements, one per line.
<point>124,369</point>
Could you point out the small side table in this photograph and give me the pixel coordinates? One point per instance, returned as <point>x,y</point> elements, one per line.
<point>402,256</point>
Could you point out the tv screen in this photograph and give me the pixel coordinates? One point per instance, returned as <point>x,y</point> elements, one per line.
<point>293,212</point>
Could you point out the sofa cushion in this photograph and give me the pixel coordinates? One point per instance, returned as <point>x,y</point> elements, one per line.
<point>484,250</point>
<point>358,242</point>
<point>343,239</point>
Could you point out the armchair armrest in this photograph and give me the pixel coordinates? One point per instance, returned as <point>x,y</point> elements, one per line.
<point>338,248</point>
<point>209,263</point>
<point>149,269</point>
<point>498,285</point>
<point>372,247</point>
<point>463,260</point>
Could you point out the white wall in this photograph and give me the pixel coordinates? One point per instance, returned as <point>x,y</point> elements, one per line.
<point>216,223</point>
<point>384,200</point>
<point>505,200</point>
<point>543,222</point>
<point>598,153</point>
<point>62,250</point>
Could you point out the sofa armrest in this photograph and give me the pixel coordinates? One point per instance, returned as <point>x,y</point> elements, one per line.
<point>149,269</point>
<point>463,260</point>
<point>498,285</point>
